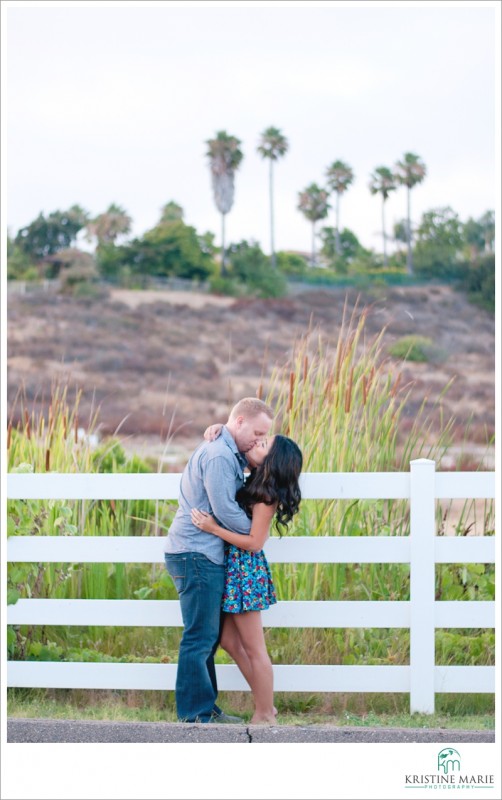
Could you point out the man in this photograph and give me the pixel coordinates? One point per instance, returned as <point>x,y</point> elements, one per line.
<point>195,559</point>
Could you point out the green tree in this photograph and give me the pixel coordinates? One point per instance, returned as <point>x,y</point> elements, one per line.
<point>410,171</point>
<point>291,263</point>
<point>479,235</point>
<point>400,231</point>
<point>171,212</point>
<point>383,182</point>
<point>439,244</point>
<point>75,269</point>
<point>487,221</point>
<point>479,281</point>
<point>225,156</point>
<point>250,266</point>
<point>19,264</point>
<point>400,238</point>
<point>339,176</point>
<point>111,261</point>
<point>207,245</point>
<point>474,236</point>
<point>46,235</point>
<point>273,145</point>
<point>107,227</point>
<point>313,203</point>
<point>168,249</point>
<point>350,247</point>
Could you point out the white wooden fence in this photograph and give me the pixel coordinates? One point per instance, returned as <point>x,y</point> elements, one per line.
<point>421,614</point>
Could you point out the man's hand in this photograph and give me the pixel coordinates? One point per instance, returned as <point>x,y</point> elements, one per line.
<point>204,521</point>
<point>212,433</point>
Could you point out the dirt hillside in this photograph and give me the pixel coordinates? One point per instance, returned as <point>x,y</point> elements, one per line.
<point>160,363</point>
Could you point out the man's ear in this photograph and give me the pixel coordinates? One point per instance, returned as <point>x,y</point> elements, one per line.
<point>239,420</point>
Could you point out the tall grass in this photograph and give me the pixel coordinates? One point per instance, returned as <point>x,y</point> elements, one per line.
<point>344,402</point>
<point>345,405</point>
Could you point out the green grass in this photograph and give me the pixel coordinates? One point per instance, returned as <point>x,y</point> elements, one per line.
<point>466,712</point>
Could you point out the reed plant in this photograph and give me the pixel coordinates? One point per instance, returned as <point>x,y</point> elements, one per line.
<point>344,402</point>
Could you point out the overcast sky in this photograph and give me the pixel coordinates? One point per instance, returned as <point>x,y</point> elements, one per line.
<point>114,104</point>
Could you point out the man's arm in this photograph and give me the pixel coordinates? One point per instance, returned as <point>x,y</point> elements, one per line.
<point>219,483</point>
<point>254,541</point>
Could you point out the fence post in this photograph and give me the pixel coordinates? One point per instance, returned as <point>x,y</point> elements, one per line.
<point>422,585</point>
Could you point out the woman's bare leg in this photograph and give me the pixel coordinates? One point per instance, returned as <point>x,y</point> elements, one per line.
<point>249,626</point>
<point>231,642</point>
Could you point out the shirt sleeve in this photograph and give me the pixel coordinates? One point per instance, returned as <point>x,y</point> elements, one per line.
<point>220,485</point>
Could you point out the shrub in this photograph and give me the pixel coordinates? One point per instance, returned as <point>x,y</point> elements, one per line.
<point>78,273</point>
<point>479,282</point>
<point>437,252</point>
<point>89,290</point>
<point>251,268</point>
<point>20,265</point>
<point>228,286</point>
<point>415,348</point>
<point>291,263</point>
<point>31,274</point>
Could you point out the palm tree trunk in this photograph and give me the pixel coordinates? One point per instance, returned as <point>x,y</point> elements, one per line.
<point>337,230</point>
<point>409,259</point>
<point>313,243</point>
<point>223,266</point>
<point>272,244</point>
<point>384,234</point>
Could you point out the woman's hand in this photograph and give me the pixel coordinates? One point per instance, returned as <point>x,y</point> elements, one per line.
<point>204,521</point>
<point>212,433</point>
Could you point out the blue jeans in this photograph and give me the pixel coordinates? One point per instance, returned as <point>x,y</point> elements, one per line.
<point>199,583</point>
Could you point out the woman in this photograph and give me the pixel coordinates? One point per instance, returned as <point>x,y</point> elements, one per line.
<point>271,490</point>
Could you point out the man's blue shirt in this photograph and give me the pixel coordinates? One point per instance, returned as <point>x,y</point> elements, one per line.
<point>209,482</point>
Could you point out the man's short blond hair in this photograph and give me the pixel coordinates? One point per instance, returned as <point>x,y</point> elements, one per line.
<point>250,407</point>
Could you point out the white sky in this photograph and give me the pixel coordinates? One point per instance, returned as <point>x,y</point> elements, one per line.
<point>114,104</point>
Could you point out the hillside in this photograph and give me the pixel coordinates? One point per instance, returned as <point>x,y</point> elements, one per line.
<point>158,362</point>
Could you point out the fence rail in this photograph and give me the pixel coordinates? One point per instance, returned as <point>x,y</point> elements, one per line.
<point>422,549</point>
<point>33,287</point>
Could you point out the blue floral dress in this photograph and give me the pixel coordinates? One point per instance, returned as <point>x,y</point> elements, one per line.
<point>248,581</point>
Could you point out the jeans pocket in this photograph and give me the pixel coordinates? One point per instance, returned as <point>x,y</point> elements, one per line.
<point>176,568</point>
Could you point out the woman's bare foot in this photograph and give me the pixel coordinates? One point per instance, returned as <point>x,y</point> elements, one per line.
<point>263,719</point>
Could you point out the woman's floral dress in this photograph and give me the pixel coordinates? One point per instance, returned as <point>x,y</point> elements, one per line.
<point>248,581</point>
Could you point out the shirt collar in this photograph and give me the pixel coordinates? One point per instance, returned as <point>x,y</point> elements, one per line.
<point>230,441</point>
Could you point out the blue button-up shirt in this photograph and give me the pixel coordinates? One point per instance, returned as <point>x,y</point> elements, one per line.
<point>209,482</point>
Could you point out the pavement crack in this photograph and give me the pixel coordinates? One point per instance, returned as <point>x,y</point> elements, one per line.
<point>250,738</point>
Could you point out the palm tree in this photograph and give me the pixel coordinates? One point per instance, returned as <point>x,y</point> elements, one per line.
<point>383,181</point>
<point>410,171</point>
<point>400,233</point>
<point>313,203</point>
<point>340,176</point>
<point>273,145</point>
<point>108,226</point>
<point>224,159</point>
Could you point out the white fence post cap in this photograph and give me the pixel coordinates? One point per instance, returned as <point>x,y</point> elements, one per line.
<point>424,462</point>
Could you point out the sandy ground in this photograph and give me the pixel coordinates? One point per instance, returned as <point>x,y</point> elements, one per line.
<point>195,300</point>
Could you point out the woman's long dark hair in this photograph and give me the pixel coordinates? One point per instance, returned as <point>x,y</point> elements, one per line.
<point>276,481</point>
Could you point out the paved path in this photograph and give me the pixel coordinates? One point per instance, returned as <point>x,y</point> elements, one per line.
<point>53,730</point>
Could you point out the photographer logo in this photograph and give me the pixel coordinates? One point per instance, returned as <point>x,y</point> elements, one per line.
<point>449,775</point>
<point>448,760</point>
